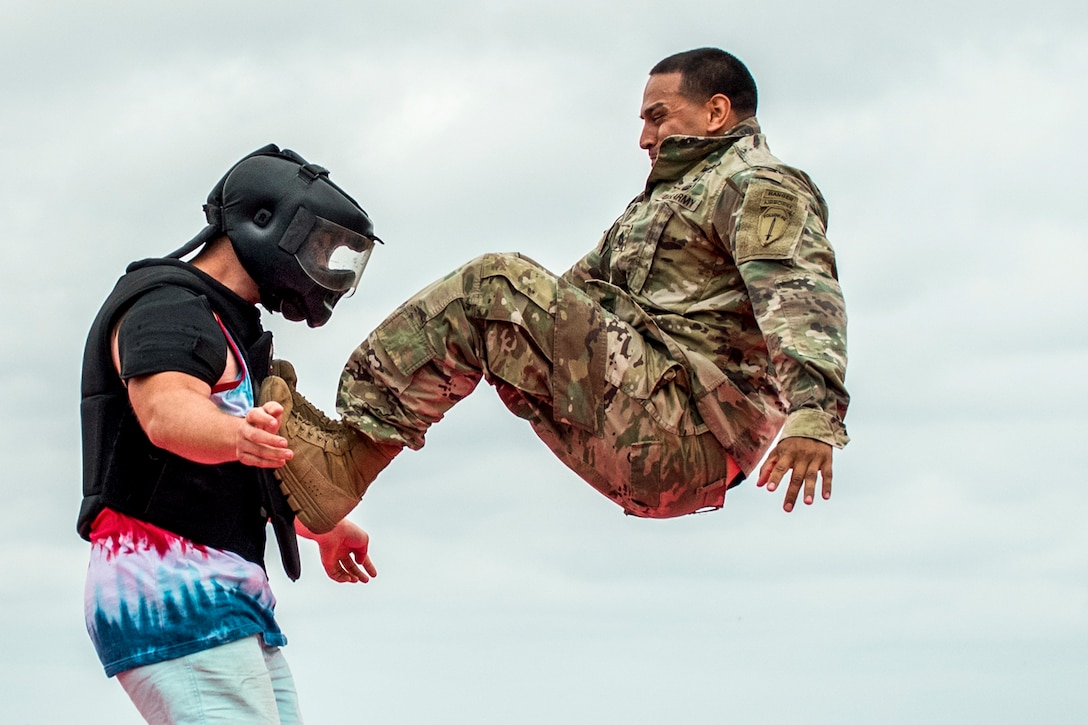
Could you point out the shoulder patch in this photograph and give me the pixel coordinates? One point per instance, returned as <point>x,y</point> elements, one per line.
<point>770,223</point>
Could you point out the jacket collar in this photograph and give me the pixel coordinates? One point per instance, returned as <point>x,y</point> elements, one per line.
<point>678,154</point>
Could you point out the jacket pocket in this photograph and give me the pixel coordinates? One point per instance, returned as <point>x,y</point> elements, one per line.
<point>651,236</point>
<point>634,245</point>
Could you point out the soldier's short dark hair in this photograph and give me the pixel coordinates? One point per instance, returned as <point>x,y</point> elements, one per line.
<point>705,72</point>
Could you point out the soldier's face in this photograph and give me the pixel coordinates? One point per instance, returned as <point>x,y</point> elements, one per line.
<point>667,113</point>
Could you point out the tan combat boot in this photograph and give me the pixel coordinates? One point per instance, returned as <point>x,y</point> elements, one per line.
<point>333,463</point>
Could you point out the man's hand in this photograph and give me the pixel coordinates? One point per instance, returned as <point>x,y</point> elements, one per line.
<point>257,443</point>
<point>343,552</point>
<point>806,457</point>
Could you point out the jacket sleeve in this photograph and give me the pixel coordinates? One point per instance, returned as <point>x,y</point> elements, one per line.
<point>592,266</point>
<point>775,227</point>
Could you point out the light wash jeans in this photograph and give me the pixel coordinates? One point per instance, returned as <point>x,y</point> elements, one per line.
<point>238,682</point>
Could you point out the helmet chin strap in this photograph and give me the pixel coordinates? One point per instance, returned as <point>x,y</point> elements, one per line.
<point>207,234</point>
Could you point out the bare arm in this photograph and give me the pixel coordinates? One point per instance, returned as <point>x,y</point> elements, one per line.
<point>177,414</point>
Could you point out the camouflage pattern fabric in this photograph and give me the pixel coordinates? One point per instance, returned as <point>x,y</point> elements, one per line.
<point>708,317</point>
<point>724,260</point>
<point>610,406</point>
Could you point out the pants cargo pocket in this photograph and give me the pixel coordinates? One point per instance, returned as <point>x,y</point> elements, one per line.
<point>673,478</point>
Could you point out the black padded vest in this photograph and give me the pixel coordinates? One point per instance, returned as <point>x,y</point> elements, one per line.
<point>223,506</point>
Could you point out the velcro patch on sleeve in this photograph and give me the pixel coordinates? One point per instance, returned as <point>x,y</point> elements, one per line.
<point>770,224</point>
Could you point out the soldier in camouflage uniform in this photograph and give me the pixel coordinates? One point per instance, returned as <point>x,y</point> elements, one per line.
<point>659,368</point>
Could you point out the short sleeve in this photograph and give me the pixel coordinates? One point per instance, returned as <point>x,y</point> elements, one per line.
<point>172,330</point>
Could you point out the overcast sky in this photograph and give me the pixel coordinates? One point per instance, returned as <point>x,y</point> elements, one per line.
<point>945,582</point>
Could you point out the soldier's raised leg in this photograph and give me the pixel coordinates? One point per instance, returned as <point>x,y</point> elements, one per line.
<point>610,404</point>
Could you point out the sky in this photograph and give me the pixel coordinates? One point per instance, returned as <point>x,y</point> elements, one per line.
<point>946,581</point>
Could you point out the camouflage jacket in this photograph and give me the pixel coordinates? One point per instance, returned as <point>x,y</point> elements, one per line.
<point>723,263</point>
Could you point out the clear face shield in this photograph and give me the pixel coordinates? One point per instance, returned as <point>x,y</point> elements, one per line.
<point>333,257</point>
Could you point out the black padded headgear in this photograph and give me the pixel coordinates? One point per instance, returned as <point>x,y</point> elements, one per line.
<point>301,238</point>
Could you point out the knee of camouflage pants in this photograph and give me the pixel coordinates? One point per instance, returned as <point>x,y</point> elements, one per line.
<point>493,318</point>
<point>604,402</point>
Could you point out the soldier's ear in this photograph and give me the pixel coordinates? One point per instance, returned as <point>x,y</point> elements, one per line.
<point>719,114</point>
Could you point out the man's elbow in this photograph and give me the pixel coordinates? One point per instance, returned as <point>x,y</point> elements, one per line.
<point>157,429</point>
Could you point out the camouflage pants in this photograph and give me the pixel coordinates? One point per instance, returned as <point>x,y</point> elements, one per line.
<point>607,402</point>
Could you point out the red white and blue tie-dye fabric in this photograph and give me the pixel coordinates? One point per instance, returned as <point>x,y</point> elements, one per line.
<point>152,595</point>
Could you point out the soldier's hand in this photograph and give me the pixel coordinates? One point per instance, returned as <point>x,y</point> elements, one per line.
<point>806,457</point>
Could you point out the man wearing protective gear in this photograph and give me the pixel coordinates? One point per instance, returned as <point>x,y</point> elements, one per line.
<point>177,490</point>
<point>293,229</point>
<point>661,367</point>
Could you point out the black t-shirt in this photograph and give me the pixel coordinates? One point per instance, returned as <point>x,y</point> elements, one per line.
<point>171,329</point>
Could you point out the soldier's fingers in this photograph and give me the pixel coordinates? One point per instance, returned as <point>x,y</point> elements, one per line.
<point>781,466</point>
<point>369,566</point>
<point>825,473</point>
<point>796,481</point>
<point>765,470</point>
<point>810,483</point>
<point>803,479</point>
